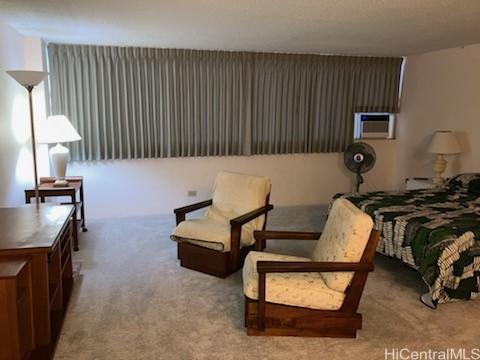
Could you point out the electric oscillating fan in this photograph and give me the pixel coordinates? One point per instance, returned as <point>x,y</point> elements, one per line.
<point>359,158</point>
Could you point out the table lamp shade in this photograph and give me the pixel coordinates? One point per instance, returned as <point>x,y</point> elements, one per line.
<point>57,129</point>
<point>28,78</point>
<point>444,142</point>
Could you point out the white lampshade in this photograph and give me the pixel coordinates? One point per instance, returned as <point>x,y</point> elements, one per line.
<point>27,77</point>
<point>444,142</point>
<point>57,129</point>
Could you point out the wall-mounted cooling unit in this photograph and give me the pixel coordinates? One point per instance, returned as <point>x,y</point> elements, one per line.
<point>374,126</point>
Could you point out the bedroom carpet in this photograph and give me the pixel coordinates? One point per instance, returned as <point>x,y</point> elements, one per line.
<point>132,300</point>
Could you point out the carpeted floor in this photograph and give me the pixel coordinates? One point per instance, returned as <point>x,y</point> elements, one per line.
<point>133,301</point>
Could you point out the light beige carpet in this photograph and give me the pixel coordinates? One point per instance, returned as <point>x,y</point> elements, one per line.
<point>133,301</point>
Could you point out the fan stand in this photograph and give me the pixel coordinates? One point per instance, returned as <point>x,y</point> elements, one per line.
<point>359,179</point>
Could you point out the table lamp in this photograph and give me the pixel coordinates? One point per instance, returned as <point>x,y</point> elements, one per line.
<point>55,130</point>
<point>29,79</point>
<point>443,143</point>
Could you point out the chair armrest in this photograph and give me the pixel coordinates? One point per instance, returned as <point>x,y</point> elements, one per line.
<point>299,266</point>
<point>180,212</point>
<point>243,219</point>
<point>261,237</point>
<point>193,207</point>
<point>286,235</point>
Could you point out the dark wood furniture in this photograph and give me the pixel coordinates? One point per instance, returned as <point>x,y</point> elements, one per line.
<point>264,318</point>
<point>75,185</point>
<point>16,314</point>
<point>43,235</point>
<point>214,262</point>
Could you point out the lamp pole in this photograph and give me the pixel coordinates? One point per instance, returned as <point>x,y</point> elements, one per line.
<point>34,148</point>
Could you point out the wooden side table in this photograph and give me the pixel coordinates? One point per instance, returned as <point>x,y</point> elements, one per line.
<point>17,336</point>
<point>75,185</point>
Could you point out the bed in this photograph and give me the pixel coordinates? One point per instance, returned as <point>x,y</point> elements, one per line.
<point>435,231</point>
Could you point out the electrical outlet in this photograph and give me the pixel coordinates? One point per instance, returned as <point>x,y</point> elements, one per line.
<point>192,192</point>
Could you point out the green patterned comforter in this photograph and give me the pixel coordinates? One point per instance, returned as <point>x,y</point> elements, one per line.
<point>433,231</point>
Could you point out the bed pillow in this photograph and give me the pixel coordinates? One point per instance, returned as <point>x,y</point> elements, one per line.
<point>468,182</point>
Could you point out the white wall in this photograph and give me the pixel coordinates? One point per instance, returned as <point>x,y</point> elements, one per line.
<point>157,186</point>
<point>16,169</point>
<point>11,56</point>
<point>441,91</point>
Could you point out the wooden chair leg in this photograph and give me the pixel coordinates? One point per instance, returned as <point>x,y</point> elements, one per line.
<point>261,302</point>
<point>246,313</point>
<point>235,247</point>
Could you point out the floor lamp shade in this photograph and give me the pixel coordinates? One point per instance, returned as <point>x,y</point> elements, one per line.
<point>55,130</point>
<point>28,78</point>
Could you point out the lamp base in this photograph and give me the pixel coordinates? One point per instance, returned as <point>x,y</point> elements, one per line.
<point>439,166</point>
<point>60,183</point>
<point>59,158</point>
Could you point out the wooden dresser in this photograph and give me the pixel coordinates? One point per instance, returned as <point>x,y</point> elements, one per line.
<point>43,237</point>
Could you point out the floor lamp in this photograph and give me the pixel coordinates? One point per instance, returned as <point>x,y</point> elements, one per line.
<point>30,79</point>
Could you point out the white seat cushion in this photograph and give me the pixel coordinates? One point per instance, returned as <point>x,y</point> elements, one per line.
<point>344,239</point>
<point>233,195</point>
<point>211,233</point>
<point>296,289</point>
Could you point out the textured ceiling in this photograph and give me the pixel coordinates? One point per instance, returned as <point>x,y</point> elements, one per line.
<point>369,27</point>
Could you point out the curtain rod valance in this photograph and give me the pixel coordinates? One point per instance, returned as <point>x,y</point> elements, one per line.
<point>129,102</point>
<point>100,50</point>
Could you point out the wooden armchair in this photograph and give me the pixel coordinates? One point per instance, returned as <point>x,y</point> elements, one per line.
<point>218,242</point>
<point>287,295</point>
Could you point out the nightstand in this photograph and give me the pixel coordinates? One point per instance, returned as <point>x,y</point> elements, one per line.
<point>419,183</point>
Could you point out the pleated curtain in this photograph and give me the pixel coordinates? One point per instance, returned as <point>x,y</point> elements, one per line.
<point>129,102</point>
<point>305,103</point>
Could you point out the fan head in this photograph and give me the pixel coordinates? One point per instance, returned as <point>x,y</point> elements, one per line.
<point>359,157</point>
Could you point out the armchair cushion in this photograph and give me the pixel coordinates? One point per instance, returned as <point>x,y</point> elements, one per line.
<point>296,289</point>
<point>233,195</point>
<point>237,194</point>
<point>211,233</point>
<point>344,239</point>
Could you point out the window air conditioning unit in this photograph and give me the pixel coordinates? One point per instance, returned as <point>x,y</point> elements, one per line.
<point>374,126</point>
